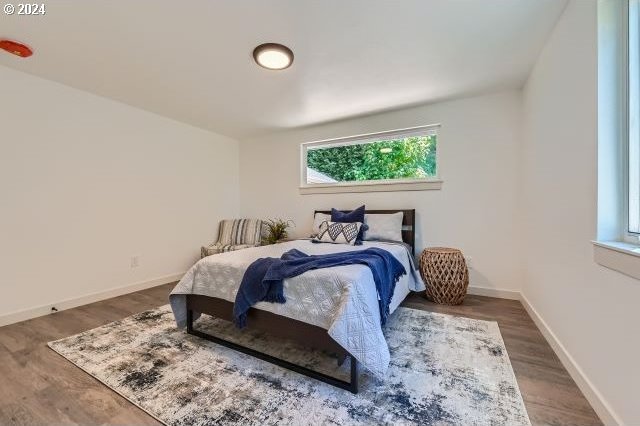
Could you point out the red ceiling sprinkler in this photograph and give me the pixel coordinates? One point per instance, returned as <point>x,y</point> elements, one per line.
<point>16,48</point>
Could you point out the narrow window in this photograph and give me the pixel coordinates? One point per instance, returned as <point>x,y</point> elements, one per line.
<point>408,155</point>
<point>633,115</point>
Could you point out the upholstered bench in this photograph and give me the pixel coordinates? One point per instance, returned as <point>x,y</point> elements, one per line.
<point>235,234</point>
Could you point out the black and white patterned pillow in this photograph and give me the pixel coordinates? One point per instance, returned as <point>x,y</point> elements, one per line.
<point>338,233</point>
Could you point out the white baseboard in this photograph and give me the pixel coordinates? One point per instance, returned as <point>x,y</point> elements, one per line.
<point>494,292</point>
<point>595,398</point>
<point>61,305</point>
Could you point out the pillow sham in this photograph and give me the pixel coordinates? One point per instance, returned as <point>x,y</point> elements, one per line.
<point>384,226</point>
<point>317,221</point>
<point>353,216</point>
<point>338,232</point>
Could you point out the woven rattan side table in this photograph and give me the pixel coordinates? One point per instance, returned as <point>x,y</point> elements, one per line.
<point>445,275</point>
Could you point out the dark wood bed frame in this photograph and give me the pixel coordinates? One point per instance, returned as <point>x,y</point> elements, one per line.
<point>276,325</point>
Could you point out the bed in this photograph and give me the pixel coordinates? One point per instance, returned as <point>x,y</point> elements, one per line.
<point>332,309</point>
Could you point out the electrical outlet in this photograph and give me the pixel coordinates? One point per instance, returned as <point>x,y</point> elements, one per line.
<point>135,261</point>
<point>468,260</point>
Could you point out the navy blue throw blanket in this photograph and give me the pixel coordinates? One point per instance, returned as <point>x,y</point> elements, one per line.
<point>263,279</point>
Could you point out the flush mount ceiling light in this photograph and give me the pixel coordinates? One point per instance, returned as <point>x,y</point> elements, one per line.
<point>273,56</point>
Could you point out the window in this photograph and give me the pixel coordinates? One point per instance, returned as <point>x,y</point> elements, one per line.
<point>400,157</point>
<point>633,116</point>
<point>617,245</point>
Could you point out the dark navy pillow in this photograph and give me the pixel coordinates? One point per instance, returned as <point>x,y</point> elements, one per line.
<point>356,215</point>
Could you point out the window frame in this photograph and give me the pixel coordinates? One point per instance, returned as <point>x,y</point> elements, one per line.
<point>628,235</point>
<point>409,184</point>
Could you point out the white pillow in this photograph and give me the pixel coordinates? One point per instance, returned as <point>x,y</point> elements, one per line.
<point>317,221</point>
<point>384,226</point>
<point>338,232</point>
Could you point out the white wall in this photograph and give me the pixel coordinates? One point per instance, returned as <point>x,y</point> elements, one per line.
<point>591,310</point>
<point>86,183</point>
<point>475,210</point>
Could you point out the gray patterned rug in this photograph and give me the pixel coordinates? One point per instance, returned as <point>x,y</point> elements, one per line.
<point>445,370</point>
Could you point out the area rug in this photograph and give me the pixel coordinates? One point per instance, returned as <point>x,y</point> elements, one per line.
<point>445,370</point>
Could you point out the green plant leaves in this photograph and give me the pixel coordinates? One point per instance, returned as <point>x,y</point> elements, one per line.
<point>276,230</point>
<point>411,157</point>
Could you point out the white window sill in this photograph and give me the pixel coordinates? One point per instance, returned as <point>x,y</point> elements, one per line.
<point>619,256</point>
<point>422,185</point>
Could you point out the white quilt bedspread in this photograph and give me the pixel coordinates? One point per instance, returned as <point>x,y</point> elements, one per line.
<point>342,299</point>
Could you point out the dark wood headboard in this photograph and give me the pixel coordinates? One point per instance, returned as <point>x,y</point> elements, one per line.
<point>408,223</point>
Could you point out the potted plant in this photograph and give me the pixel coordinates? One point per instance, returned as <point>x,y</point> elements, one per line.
<point>276,230</point>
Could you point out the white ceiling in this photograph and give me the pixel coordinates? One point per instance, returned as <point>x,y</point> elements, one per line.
<point>191,60</point>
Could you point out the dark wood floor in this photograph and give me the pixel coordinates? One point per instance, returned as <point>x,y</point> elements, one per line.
<point>38,386</point>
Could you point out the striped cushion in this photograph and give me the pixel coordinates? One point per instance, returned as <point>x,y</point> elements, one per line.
<point>219,248</point>
<point>240,231</point>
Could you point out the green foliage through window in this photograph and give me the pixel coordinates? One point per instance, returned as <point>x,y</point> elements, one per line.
<point>404,158</point>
